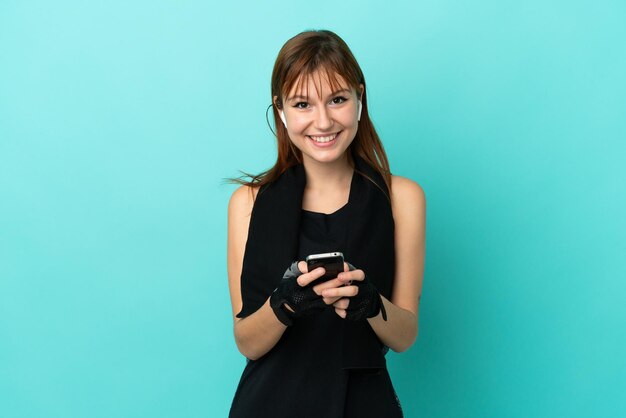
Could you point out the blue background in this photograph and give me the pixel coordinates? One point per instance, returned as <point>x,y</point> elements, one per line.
<point>119,120</point>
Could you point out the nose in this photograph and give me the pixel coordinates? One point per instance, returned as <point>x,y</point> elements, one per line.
<point>323,119</point>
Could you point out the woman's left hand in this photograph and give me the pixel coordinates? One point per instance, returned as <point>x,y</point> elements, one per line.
<point>359,298</point>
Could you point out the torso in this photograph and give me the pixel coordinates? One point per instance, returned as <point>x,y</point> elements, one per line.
<point>315,347</point>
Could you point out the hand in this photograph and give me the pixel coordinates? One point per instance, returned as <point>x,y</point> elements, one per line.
<point>293,298</point>
<point>359,298</point>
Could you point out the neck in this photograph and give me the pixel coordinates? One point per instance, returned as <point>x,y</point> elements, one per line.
<point>326,176</point>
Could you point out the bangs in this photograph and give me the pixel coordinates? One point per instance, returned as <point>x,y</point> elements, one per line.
<point>301,85</point>
<point>299,75</point>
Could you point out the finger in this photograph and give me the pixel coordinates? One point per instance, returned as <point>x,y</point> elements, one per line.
<point>344,291</point>
<point>307,278</point>
<point>345,277</point>
<point>319,288</point>
<point>341,312</point>
<point>342,303</point>
<point>351,275</point>
<point>330,301</point>
<point>303,267</point>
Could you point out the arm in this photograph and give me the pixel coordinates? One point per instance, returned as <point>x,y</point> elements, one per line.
<point>259,332</point>
<point>256,334</point>
<point>408,204</point>
<point>409,211</point>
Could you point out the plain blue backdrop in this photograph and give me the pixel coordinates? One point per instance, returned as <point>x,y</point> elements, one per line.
<point>119,120</point>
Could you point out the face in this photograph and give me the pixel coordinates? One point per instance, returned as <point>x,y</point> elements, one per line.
<point>322,124</point>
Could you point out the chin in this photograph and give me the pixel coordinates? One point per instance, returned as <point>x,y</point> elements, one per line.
<point>328,158</point>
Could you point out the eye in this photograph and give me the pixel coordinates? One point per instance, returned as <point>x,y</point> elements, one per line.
<point>301,105</point>
<point>339,100</point>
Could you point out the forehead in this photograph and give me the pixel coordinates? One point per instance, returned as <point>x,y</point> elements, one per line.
<point>318,83</point>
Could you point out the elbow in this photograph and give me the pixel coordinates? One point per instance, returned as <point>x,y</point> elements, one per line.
<point>404,346</point>
<point>244,348</point>
<point>250,355</point>
<point>248,350</point>
<point>405,343</point>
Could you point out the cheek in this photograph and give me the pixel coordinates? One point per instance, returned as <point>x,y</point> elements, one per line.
<point>350,123</point>
<point>348,116</point>
<point>298,123</point>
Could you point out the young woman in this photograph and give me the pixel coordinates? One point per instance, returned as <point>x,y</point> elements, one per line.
<point>318,349</point>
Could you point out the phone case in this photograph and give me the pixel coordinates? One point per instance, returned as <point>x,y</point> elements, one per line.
<point>332,263</point>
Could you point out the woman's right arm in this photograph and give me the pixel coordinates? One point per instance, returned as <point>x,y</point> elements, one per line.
<point>257,333</point>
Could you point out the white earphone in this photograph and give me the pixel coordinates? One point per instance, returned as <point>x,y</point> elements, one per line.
<point>282,116</point>
<point>360,108</point>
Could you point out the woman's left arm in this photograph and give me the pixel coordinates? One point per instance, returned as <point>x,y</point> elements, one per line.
<point>399,331</point>
<point>408,205</point>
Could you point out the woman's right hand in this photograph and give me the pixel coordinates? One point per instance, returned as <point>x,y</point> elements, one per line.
<point>293,298</point>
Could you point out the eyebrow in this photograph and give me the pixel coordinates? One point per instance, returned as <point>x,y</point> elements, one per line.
<point>298,96</point>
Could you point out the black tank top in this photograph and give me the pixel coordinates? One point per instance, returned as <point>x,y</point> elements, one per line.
<point>322,233</point>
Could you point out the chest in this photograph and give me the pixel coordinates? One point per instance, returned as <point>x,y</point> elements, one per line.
<point>327,202</point>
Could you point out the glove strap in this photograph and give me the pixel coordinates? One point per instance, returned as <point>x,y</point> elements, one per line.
<point>281,312</point>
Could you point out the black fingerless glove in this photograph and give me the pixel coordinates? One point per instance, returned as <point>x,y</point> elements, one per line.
<point>367,303</point>
<point>302,300</point>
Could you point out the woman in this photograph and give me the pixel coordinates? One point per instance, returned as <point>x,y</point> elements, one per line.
<point>318,350</point>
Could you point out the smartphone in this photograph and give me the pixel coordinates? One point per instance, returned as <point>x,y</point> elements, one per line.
<point>332,263</point>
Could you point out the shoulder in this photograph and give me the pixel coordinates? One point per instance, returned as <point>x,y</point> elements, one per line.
<point>406,192</point>
<point>242,200</point>
<point>408,202</point>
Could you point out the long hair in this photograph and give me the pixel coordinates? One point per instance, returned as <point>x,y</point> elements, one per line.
<point>298,60</point>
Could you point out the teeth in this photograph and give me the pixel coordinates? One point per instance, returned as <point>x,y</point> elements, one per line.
<point>323,138</point>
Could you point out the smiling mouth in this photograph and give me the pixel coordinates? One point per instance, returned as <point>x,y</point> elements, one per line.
<point>324,139</point>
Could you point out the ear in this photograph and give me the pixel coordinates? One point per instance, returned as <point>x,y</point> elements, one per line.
<point>277,103</point>
<point>281,112</point>
<point>361,91</point>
